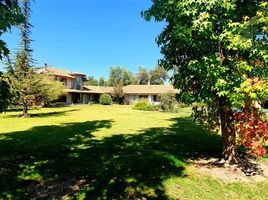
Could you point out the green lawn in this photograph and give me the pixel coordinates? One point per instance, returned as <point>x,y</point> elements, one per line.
<point>109,152</point>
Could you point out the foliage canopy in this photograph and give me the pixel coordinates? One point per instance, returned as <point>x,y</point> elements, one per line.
<point>214,47</point>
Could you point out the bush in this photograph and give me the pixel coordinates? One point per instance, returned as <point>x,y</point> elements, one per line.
<point>143,104</point>
<point>156,108</point>
<point>5,94</point>
<point>167,102</point>
<point>105,99</point>
<point>182,105</point>
<point>251,127</point>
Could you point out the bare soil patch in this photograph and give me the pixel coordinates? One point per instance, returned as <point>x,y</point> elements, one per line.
<point>248,171</point>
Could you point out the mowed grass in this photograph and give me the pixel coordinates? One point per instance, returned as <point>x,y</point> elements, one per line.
<point>109,152</point>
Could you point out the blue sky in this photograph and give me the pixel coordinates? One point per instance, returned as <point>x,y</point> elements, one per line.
<point>90,36</point>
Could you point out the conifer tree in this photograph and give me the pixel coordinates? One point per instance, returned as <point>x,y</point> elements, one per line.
<point>28,86</point>
<point>22,72</point>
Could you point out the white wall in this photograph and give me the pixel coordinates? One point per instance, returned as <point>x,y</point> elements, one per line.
<point>69,83</point>
<point>150,99</point>
<point>133,98</point>
<point>69,99</point>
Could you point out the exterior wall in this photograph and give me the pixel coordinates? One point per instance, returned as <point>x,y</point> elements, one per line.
<point>69,83</point>
<point>87,98</point>
<point>150,99</point>
<point>131,99</point>
<point>72,97</point>
<point>69,98</point>
<point>78,82</point>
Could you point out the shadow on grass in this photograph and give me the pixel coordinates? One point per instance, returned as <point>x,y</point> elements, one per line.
<point>53,114</point>
<point>42,115</point>
<point>52,161</point>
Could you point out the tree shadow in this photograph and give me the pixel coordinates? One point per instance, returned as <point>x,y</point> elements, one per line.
<point>46,114</point>
<point>52,161</point>
<point>53,114</point>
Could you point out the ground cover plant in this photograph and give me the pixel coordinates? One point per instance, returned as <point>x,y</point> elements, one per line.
<point>115,152</point>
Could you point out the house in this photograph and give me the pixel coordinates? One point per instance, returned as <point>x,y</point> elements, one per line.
<point>73,82</point>
<point>150,92</point>
<point>132,93</point>
<point>96,91</point>
<point>77,92</point>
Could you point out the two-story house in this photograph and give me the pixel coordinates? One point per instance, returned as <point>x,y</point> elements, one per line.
<point>73,82</point>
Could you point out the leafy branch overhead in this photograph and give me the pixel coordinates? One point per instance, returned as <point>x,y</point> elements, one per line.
<point>10,16</point>
<point>215,48</point>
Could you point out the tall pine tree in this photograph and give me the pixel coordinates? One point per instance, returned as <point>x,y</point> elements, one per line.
<point>28,86</point>
<point>23,72</point>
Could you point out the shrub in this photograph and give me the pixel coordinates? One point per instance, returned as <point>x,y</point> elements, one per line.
<point>182,105</point>
<point>167,101</point>
<point>156,108</point>
<point>252,129</point>
<point>5,95</point>
<point>143,104</point>
<point>105,99</point>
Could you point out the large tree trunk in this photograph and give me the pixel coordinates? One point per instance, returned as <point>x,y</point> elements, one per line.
<point>228,131</point>
<point>25,110</point>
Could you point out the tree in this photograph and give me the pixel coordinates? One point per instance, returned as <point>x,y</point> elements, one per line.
<point>10,15</point>
<point>167,101</point>
<point>102,81</point>
<point>46,89</point>
<point>119,75</point>
<point>115,76</point>
<point>5,94</point>
<point>118,94</point>
<point>27,85</point>
<point>213,47</point>
<point>22,74</point>
<point>158,75</point>
<point>143,76</point>
<point>91,81</point>
<point>127,77</point>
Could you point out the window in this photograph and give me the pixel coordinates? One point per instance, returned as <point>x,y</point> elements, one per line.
<point>143,96</point>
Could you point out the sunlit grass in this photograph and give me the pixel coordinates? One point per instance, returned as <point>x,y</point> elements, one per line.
<point>109,152</point>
